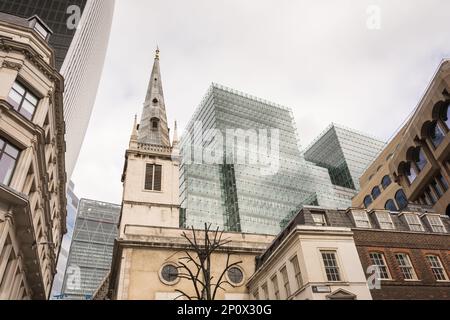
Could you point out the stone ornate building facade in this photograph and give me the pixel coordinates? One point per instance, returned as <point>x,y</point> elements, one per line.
<point>32,166</point>
<point>415,165</point>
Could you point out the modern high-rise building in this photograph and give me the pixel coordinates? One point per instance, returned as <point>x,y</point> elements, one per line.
<point>72,208</point>
<point>80,37</point>
<point>32,170</point>
<point>91,250</point>
<point>346,154</point>
<point>55,14</point>
<point>262,190</point>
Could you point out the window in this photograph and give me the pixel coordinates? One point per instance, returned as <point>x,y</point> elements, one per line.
<point>22,100</point>
<point>406,268</point>
<point>390,205</point>
<point>436,134</point>
<point>287,288</point>
<point>153,174</point>
<point>331,266</point>
<point>400,197</point>
<point>319,219</point>
<point>421,160</point>
<point>437,268</point>
<point>413,221</point>
<point>256,294</point>
<point>410,173</point>
<point>297,271</point>
<point>169,274</point>
<point>8,159</point>
<point>375,193</point>
<point>265,290</point>
<point>155,123</point>
<point>436,223</point>
<point>431,196</point>
<point>361,219</point>
<point>235,275</point>
<point>378,260</point>
<point>276,289</point>
<point>446,116</point>
<point>385,221</point>
<point>40,30</point>
<point>437,189</point>
<point>367,201</point>
<point>442,182</point>
<point>386,182</point>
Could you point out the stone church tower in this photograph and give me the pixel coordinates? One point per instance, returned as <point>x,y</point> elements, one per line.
<point>151,172</point>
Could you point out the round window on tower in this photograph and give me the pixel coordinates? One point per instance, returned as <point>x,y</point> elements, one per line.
<point>169,274</point>
<point>235,276</point>
<point>155,101</point>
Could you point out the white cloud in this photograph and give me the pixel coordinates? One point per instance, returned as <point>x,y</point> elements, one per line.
<point>317,57</point>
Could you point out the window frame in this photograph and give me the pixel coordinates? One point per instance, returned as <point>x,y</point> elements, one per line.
<point>355,220</point>
<point>408,266</point>
<point>154,166</point>
<point>323,221</point>
<point>433,225</point>
<point>286,284</point>
<point>16,160</point>
<point>440,267</point>
<point>337,266</point>
<point>27,91</point>
<point>411,224</point>
<point>275,286</point>
<point>380,222</point>
<point>384,265</point>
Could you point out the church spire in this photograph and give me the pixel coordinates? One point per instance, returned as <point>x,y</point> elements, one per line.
<point>153,128</point>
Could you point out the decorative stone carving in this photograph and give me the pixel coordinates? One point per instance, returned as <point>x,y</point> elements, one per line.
<point>11,65</point>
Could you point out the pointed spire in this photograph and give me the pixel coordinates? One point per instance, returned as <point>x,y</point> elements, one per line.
<point>175,135</point>
<point>153,128</point>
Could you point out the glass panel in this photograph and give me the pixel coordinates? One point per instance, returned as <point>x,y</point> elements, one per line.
<point>6,168</point>
<point>390,205</point>
<point>422,160</point>
<point>27,110</point>
<point>31,98</point>
<point>436,135</point>
<point>10,150</point>
<point>14,98</point>
<point>19,88</point>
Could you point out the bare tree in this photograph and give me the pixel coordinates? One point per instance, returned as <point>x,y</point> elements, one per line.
<point>196,264</point>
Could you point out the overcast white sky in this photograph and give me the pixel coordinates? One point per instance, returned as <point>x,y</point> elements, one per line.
<point>317,57</point>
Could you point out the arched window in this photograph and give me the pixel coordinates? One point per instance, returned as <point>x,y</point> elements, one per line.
<point>375,193</point>
<point>386,182</point>
<point>390,205</point>
<point>445,116</point>
<point>401,200</point>
<point>436,134</point>
<point>367,201</point>
<point>420,159</point>
<point>410,173</point>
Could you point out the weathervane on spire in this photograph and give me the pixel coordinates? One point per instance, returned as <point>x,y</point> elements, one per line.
<point>157,53</point>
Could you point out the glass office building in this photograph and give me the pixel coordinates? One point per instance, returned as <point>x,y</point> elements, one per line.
<point>72,208</point>
<point>91,250</point>
<point>54,14</point>
<point>345,153</point>
<point>248,196</point>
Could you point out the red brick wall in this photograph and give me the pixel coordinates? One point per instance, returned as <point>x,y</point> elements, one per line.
<point>417,246</point>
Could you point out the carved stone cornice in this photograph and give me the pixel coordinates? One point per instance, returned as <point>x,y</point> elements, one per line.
<point>11,65</point>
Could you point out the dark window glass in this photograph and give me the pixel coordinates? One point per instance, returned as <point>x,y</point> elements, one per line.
<point>8,159</point>
<point>22,100</point>
<point>153,175</point>
<point>400,197</point>
<point>436,134</point>
<point>386,182</point>
<point>436,188</point>
<point>446,116</point>
<point>367,201</point>
<point>390,205</point>
<point>421,160</point>
<point>235,275</point>
<point>410,173</point>
<point>442,182</point>
<point>169,273</point>
<point>376,193</point>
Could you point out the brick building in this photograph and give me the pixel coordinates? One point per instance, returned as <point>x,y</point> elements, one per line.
<point>411,248</point>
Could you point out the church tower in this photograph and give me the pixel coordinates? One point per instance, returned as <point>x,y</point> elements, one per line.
<point>151,172</point>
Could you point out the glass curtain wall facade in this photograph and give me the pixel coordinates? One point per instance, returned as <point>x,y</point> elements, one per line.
<point>346,154</point>
<point>54,14</point>
<point>238,196</point>
<point>72,208</point>
<point>91,250</point>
